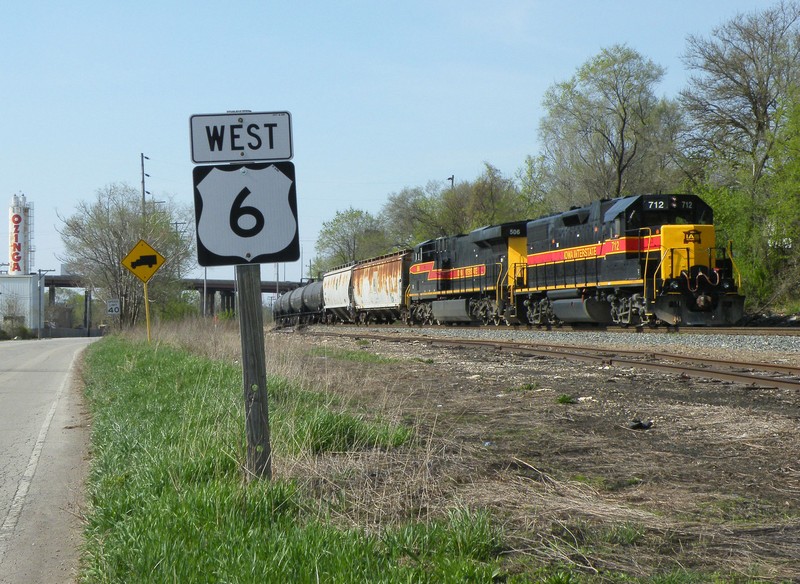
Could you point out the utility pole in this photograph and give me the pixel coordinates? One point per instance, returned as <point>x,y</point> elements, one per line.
<point>144,193</point>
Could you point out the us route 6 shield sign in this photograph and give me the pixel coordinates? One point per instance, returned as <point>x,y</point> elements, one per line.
<point>246,214</point>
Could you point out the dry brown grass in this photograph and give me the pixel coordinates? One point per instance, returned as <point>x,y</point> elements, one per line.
<point>714,487</point>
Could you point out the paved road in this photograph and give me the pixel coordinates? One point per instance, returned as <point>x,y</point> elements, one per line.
<point>43,457</point>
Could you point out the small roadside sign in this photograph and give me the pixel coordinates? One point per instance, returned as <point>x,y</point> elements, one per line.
<point>143,261</point>
<point>113,307</point>
<point>241,137</point>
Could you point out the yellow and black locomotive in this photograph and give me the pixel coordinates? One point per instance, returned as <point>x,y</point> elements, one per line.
<point>634,260</point>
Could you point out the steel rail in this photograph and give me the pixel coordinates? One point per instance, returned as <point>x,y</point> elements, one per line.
<point>748,373</point>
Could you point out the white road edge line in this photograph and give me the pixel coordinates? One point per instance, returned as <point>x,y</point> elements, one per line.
<point>10,522</point>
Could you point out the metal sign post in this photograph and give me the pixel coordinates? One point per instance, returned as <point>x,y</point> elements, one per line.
<point>143,261</point>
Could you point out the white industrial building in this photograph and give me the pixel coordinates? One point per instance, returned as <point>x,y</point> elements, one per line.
<point>20,301</point>
<point>21,295</point>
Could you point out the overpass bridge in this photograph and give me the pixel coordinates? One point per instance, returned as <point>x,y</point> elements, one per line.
<point>214,294</point>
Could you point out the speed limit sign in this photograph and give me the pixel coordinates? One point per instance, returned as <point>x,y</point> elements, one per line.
<point>113,307</point>
<point>246,214</point>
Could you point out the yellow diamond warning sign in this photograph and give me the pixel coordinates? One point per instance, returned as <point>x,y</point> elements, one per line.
<point>143,261</point>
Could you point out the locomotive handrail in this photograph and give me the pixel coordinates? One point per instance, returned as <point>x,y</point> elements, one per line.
<point>500,274</point>
<point>519,272</point>
<point>646,261</point>
<point>670,251</point>
<point>736,273</point>
<point>658,268</point>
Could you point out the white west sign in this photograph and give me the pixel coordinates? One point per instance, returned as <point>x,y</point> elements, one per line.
<point>241,137</point>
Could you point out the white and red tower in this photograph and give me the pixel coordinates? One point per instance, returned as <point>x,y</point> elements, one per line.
<point>20,226</point>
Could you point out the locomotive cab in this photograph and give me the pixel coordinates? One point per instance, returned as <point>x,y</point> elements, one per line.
<point>692,281</point>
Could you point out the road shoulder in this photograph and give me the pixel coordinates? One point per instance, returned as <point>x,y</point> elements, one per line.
<point>47,540</point>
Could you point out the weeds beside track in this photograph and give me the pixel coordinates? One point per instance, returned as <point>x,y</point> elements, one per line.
<point>169,502</point>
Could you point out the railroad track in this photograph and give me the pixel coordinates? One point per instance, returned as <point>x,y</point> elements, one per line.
<point>778,331</point>
<point>765,375</point>
<point>793,331</point>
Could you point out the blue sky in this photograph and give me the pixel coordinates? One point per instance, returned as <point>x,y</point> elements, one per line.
<point>383,95</point>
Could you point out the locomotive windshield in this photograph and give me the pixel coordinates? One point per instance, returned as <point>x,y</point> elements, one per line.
<point>658,210</point>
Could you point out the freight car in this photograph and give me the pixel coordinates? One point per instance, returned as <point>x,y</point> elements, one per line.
<point>303,305</point>
<point>361,292</point>
<point>643,259</point>
<point>378,287</point>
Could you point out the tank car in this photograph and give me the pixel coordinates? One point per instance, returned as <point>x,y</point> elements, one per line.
<point>303,305</point>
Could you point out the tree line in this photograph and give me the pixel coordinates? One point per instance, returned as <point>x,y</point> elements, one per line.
<point>731,135</point>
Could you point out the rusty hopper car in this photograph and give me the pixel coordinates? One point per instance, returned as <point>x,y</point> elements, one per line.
<point>378,288</point>
<point>337,293</point>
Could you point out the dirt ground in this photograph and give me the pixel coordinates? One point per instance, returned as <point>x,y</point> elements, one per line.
<point>713,486</point>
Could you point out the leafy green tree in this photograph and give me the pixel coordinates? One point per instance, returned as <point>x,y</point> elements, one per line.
<point>178,305</point>
<point>453,208</point>
<point>102,232</point>
<point>494,199</point>
<point>415,214</point>
<point>411,215</point>
<point>350,236</point>
<point>532,179</point>
<point>781,228</point>
<point>605,131</point>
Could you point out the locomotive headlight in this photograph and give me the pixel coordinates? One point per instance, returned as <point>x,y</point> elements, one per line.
<point>727,285</point>
<point>674,285</point>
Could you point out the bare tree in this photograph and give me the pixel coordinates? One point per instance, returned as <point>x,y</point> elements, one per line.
<point>101,233</point>
<point>742,75</point>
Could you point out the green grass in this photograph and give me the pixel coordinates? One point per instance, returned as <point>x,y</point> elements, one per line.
<point>358,356</point>
<point>168,503</point>
<point>533,386</point>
